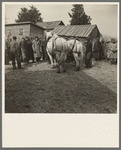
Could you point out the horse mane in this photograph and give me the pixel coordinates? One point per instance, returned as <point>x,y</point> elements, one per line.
<point>48,39</point>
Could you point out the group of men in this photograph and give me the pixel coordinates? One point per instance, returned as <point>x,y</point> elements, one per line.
<point>95,52</point>
<point>25,50</point>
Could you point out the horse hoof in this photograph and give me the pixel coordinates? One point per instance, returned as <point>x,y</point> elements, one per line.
<point>64,70</point>
<point>58,71</point>
<point>55,66</point>
<point>52,67</point>
<point>77,69</point>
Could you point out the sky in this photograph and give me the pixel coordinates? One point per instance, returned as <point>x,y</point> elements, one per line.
<point>105,16</point>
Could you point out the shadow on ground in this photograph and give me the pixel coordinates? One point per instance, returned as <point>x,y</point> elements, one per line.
<point>39,89</point>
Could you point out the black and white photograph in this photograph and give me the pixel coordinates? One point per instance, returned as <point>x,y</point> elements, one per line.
<point>61,59</point>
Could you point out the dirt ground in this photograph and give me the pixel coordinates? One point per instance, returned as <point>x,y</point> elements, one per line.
<point>39,89</point>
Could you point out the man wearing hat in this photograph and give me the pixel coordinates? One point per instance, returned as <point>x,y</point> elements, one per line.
<point>88,54</point>
<point>98,50</point>
<point>14,53</point>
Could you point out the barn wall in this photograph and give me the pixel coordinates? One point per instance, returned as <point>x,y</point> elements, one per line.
<point>13,30</point>
<point>36,31</point>
<point>93,35</point>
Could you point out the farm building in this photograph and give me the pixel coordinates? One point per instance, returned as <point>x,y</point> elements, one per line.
<point>49,26</point>
<point>78,31</point>
<point>23,29</point>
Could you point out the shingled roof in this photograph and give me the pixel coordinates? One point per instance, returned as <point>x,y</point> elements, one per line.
<point>77,31</point>
<point>49,25</point>
<point>23,23</point>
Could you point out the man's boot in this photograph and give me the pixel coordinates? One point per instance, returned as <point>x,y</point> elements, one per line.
<point>14,66</point>
<point>58,69</point>
<point>19,65</point>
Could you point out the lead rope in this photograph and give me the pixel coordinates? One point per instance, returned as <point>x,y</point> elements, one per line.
<point>54,44</point>
<point>73,45</point>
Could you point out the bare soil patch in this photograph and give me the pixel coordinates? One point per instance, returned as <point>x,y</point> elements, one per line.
<point>39,89</point>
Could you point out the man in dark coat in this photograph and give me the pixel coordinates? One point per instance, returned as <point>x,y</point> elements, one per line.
<point>43,51</point>
<point>27,49</point>
<point>30,53</point>
<point>19,51</point>
<point>88,54</point>
<point>98,50</point>
<point>45,55</point>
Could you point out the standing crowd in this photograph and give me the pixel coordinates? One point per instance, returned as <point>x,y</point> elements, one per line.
<point>25,50</point>
<point>35,49</point>
<point>99,51</point>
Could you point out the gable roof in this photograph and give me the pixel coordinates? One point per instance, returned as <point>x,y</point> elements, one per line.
<point>23,23</point>
<point>76,30</point>
<point>50,25</point>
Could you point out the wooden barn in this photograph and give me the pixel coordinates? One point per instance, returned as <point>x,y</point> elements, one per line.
<point>23,29</point>
<point>80,32</point>
<point>51,25</point>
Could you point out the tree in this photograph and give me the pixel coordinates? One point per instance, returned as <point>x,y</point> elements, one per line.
<point>78,16</point>
<point>31,14</point>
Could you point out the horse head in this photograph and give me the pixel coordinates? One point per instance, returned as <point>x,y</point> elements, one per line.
<point>48,35</point>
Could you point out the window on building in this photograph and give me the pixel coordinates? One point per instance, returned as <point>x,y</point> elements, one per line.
<point>20,31</point>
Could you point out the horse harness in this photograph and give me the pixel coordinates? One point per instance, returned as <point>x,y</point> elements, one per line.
<point>54,44</point>
<point>73,45</point>
<point>73,48</point>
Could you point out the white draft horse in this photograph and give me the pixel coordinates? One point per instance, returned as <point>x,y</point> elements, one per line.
<point>58,48</point>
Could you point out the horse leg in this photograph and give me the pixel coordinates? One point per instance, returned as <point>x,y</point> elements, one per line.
<point>50,59</point>
<point>81,60</point>
<point>63,66</point>
<point>54,60</point>
<point>58,54</point>
<point>58,68</point>
<point>76,57</point>
<point>64,69</point>
<point>62,60</point>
